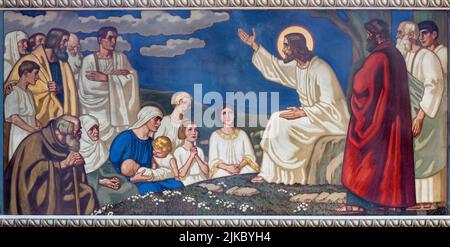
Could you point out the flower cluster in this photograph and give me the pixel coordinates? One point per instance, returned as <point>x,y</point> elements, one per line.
<point>222,184</point>
<point>211,195</point>
<point>171,193</point>
<point>189,199</point>
<point>103,209</point>
<point>286,192</point>
<point>203,205</point>
<point>225,204</point>
<point>244,207</point>
<point>301,207</point>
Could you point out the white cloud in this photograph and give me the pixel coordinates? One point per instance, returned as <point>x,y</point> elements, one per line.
<point>91,44</point>
<point>172,48</point>
<point>150,23</point>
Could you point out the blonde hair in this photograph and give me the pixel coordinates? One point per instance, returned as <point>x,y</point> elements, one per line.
<point>178,97</point>
<point>163,144</point>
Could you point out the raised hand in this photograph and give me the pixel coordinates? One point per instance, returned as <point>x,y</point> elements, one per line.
<point>249,40</point>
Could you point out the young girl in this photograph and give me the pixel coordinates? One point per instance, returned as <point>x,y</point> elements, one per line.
<point>230,149</point>
<point>190,158</point>
<point>19,106</point>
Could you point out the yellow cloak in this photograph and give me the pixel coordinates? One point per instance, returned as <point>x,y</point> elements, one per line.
<point>47,104</point>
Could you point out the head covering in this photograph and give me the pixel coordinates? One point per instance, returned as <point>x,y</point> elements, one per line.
<point>95,153</point>
<point>178,96</point>
<point>145,114</point>
<point>428,25</point>
<point>12,55</point>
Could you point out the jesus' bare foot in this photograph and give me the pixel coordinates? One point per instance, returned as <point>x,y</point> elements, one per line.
<point>258,179</point>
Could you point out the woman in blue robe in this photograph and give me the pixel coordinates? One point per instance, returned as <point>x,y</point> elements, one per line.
<point>136,144</point>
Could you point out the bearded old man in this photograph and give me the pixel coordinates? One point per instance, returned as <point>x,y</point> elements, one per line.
<point>378,168</point>
<point>35,40</point>
<point>108,87</point>
<point>46,173</point>
<point>429,112</point>
<point>55,92</point>
<point>289,137</point>
<point>75,56</point>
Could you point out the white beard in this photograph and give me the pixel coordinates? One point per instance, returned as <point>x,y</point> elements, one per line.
<point>75,62</point>
<point>403,45</point>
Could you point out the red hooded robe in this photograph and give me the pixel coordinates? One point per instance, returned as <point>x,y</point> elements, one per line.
<point>379,161</point>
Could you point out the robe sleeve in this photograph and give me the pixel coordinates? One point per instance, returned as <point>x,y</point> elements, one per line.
<point>214,157</point>
<point>120,150</point>
<point>11,105</point>
<point>433,85</point>
<point>330,109</point>
<point>123,93</point>
<point>162,174</point>
<point>249,152</point>
<point>274,69</point>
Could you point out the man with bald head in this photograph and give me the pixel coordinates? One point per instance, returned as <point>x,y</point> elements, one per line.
<point>428,110</point>
<point>46,174</point>
<point>75,56</point>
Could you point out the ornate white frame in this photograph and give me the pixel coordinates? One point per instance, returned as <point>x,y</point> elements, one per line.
<point>224,221</point>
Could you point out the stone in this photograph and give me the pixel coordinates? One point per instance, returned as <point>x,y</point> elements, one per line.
<point>304,197</point>
<point>211,187</point>
<point>231,190</point>
<point>246,191</point>
<point>321,198</point>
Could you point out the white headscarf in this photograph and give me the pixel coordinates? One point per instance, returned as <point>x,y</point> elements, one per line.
<point>12,54</point>
<point>145,114</point>
<point>95,153</point>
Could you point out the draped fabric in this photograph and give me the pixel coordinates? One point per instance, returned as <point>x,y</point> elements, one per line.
<point>378,160</point>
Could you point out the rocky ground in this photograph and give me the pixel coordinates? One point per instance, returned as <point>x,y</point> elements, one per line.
<point>237,196</point>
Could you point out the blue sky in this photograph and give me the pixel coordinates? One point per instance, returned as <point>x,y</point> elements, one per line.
<point>224,63</point>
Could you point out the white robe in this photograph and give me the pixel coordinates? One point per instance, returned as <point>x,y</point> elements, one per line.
<point>116,103</point>
<point>194,174</point>
<point>169,128</point>
<point>230,149</point>
<point>95,153</point>
<point>19,102</point>
<point>441,52</point>
<point>430,146</point>
<point>288,144</point>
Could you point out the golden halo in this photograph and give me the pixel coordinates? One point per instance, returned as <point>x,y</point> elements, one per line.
<point>294,29</point>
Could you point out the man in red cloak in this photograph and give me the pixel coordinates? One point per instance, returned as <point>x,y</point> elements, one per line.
<point>378,168</point>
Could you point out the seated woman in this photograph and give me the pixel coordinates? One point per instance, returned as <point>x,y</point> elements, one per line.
<point>181,102</point>
<point>189,157</point>
<point>136,144</point>
<point>109,186</point>
<point>230,149</point>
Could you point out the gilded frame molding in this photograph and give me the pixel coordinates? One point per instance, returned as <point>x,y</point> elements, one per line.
<point>224,221</point>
